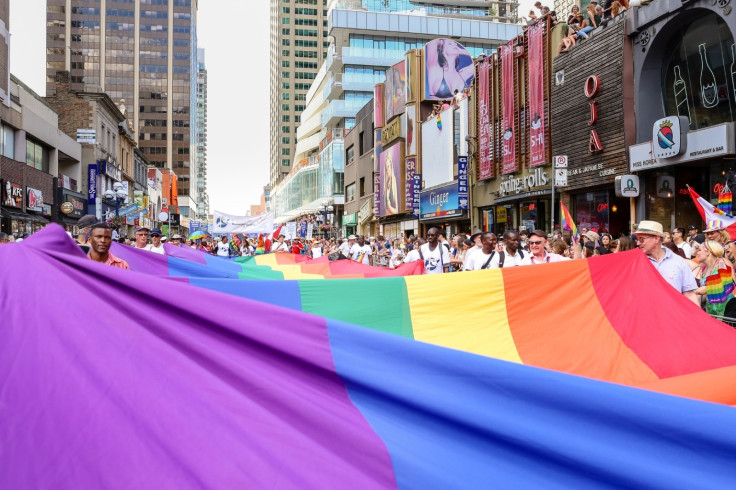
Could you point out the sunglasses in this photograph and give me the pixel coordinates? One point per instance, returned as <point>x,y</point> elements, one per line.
<point>536,242</point>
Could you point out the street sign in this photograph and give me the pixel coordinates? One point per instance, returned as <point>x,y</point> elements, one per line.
<point>560,161</point>
<point>561,177</point>
<point>163,216</point>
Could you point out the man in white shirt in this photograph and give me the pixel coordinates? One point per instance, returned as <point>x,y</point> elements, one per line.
<point>538,253</point>
<point>436,257</point>
<point>141,237</point>
<point>280,246</point>
<point>346,245</point>
<point>361,251</point>
<point>477,237</point>
<point>156,246</point>
<point>482,259</point>
<point>223,247</point>
<point>511,255</point>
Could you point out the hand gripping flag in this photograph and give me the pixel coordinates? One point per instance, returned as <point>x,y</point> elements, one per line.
<point>568,223</point>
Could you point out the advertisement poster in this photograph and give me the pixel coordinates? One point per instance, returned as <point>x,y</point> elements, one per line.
<point>394,91</point>
<point>411,124</point>
<point>411,76</point>
<point>536,95</point>
<point>378,120</point>
<point>417,191</point>
<point>391,180</point>
<point>92,183</point>
<point>228,223</point>
<point>12,195</point>
<point>441,201</point>
<point>485,161</point>
<point>35,200</point>
<point>411,169</point>
<point>509,108</point>
<point>447,67</point>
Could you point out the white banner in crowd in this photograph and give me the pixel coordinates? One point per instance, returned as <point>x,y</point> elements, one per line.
<point>310,230</point>
<point>290,230</point>
<point>227,223</point>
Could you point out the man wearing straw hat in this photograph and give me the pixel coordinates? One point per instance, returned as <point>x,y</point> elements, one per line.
<point>673,268</point>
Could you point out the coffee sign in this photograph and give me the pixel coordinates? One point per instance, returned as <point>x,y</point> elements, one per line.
<point>12,195</point>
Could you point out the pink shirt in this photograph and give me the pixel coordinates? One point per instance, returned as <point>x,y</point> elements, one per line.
<point>114,261</point>
<point>548,259</point>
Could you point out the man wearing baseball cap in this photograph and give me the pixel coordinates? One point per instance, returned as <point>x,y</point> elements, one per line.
<point>672,267</point>
<point>141,237</point>
<point>156,246</point>
<point>538,250</point>
<point>176,240</point>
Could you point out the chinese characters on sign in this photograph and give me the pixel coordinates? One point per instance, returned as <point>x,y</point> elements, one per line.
<point>462,182</point>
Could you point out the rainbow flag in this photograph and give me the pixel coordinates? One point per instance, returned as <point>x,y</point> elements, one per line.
<point>360,258</point>
<point>567,223</point>
<point>244,394</point>
<point>719,287</point>
<point>725,200</point>
<point>439,122</point>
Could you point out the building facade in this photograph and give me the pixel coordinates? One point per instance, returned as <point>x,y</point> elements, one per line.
<point>142,52</point>
<point>203,202</point>
<point>298,46</point>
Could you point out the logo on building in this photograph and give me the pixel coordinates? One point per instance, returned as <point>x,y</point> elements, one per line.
<point>665,138</point>
<point>670,136</point>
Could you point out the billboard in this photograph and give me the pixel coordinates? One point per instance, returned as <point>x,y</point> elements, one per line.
<point>378,120</point>
<point>392,180</point>
<point>438,149</point>
<point>411,132</point>
<point>447,67</point>
<point>439,202</point>
<point>394,91</point>
<point>412,75</point>
<point>12,195</point>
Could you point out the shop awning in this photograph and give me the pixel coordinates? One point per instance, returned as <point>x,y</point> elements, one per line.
<point>23,216</point>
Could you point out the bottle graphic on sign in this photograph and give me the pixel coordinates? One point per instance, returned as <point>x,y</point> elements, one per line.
<point>708,92</point>
<point>683,106</point>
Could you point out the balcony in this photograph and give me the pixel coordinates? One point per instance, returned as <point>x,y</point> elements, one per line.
<point>371,56</point>
<point>338,109</point>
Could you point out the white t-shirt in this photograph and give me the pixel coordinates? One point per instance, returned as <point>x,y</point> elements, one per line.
<point>412,256</point>
<point>469,254</point>
<point>356,250</point>
<point>157,250</point>
<point>280,247</point>
<point>434,263</point>
<point>223,249</point>
<point>345,248</point>
<point>316,252</point>
<point>509,260</point>
<point>478,260</point>
<point>687,249</point>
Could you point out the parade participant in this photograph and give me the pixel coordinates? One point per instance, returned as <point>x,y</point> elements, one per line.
<point>477,239</point>
<point>382,251</point>
<point>511,255</point>
<point>716,231</point>
<point>156,246</point>
<point>316,249</point>
<point>100,241</point>
<point>4,238</point>
<point>538,253</point>
<point>361,252</point>
<point>678,238</point>
<point>591,236</point>
<point>397,255</point>
<point>176,240</point>
<point>297,247</point>
<point>674,269</point>
<point>141,237</point>
<point>346,245</point>
<point>716,280</point>
<point>694,236</point>
<point>223,247</point>
<point>413,254</point>
<point>482,259</point>
<point>83,225</point>
<point>280,246</point>
<point>435,256</point>
<point>524,240</point>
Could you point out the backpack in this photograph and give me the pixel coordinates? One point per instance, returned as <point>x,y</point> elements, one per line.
<point>502,257</point>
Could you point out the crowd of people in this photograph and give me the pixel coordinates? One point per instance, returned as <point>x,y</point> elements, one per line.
<point>579,26</point>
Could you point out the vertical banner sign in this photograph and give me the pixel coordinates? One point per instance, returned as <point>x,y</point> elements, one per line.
<point>376,194</point>
<point>417,190</point>
<point>509,108</point>
<point>310,230</point>
<point>536,95</point>
<point>92,183</point>
<point>378,105</point>
<point>462,182</point>
<point>484,126</point>
<point>411,169</point>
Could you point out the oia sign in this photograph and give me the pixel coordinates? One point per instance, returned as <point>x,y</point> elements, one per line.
<point>592,85</point>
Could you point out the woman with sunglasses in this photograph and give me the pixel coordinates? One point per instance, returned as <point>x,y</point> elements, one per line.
<point>716,280</point>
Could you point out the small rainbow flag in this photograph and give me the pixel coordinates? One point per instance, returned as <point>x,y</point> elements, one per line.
<point>725,200</point>
<point>439,122</point>
<point>568,223</point>
<point>360,258</point>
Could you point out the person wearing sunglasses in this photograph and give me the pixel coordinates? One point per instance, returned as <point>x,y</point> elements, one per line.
<point>538,253</point>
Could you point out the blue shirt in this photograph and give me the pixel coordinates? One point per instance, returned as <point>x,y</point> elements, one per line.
<point>675,271</point>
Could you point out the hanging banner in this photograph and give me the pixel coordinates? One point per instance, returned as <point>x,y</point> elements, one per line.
<point>92,183</point>
<point>462,182</point>
<point>310,230</point>
<point>411,169</point>
<point>484,123</point>
<point>394,91</point>
<point>509,108</point>
<point>417,190</point>
<point>537,154</point>
<point>227,223</point>
<point>378,105</point>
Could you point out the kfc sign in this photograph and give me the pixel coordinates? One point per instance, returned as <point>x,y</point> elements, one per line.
<point>12,195</point>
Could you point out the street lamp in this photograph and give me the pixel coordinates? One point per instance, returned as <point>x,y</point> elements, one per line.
<point>326,209</point>
<point>118,194</point>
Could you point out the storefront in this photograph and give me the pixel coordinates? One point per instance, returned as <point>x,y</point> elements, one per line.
<point>73,206</point>
<point>685,97</point>
<point>522,202</point>
<point>592,125</point>
<point>350,223</point>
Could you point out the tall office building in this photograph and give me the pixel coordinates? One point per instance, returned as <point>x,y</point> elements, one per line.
<point>298,48</point>
<point>142,51</point>
<point>203,203</point>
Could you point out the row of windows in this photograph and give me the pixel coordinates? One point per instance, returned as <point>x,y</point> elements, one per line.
<point>120,13</point>
<point>304,43</point>
<point>85,11</point>
<point>306,64</point>
<point>305,22</point>
<point>307,32</point>
<point>302,86</point>
<point>305,11</point>
<point>305,76</point>
<point>305,54</point>
<point>154,14</point>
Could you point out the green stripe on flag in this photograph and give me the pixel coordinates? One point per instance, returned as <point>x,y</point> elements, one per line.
<point>347,300</point>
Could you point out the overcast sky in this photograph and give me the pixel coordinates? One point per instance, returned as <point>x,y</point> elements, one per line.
<point>235,36</point>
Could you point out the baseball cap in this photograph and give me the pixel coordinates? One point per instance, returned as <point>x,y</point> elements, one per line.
<point>87,220</point>
<point>141,228</point>
<point>156,231</point>
<point>539,233</point>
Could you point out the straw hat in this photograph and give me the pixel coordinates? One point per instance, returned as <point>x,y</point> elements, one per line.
<point>650,228</point>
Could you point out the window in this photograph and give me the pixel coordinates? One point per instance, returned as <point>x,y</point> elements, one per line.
<point>285,42</point>
<point>350,192</point>
<point>350,154</point>
<point>301,97</point>
<point>286,151</point>
<point>285,20</point>
<point>285,162</point>
<point>285,86</point>
<point>285,74</point>
<point>285,140</point>
<point>361,137</point>
<point>305,22</point>
<point>285,129</point>
<point>285,96</point>
<point>286,10</point>
<point>8,141</point>
<point>36,155</point>
<point>284,52</point>
<point>285,32</point>
<point>362,187</point>
<point>298,119</point>
<point>285,107</point>
<point>285,118</point>
<point>299,108</point>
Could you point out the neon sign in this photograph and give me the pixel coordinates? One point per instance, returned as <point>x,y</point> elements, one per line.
<point>592,85</point>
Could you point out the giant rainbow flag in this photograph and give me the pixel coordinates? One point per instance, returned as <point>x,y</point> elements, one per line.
<point>113,378</point>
